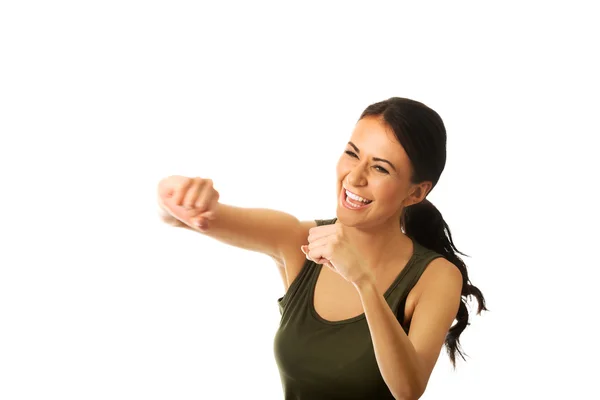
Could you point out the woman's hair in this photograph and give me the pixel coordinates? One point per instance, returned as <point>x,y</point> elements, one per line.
<point>421,132</point>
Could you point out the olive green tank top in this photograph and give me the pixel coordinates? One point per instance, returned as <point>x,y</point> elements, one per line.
<point>320,359</point>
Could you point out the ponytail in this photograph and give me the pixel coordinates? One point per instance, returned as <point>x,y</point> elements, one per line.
<point>425,224</point>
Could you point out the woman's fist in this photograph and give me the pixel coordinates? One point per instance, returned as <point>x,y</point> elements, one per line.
<point>192,201</point>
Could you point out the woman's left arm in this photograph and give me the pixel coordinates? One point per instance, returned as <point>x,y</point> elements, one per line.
<point>406,361</point>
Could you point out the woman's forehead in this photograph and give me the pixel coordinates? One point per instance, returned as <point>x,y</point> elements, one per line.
<point>371,128</point>
<point>374,136</point>
<point>375,139</point>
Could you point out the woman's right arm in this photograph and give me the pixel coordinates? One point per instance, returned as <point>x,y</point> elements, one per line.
<point>261,230</point>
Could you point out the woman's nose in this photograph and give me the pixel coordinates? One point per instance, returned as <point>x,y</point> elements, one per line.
<point>356,177</point>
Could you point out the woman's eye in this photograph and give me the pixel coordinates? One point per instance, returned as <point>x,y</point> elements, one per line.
<point>353,154</point>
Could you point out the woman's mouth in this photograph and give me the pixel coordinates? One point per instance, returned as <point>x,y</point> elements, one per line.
<point>353,202</point>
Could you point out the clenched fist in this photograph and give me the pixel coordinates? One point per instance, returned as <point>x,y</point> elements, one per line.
<point>192,201</point>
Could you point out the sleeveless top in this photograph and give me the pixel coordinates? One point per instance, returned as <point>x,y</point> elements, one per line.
<point>320,359</point>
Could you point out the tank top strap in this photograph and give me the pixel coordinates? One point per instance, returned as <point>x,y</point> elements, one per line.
<point>299,290</point>
<point>409,276</point>
<point>325,221</point>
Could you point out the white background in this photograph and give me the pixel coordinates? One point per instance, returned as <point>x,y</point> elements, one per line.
<point>100,100</point>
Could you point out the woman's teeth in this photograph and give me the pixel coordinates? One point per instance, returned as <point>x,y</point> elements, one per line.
<point>357,198</point>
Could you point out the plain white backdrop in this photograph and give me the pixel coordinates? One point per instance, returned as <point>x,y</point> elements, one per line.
<point>100,100</point>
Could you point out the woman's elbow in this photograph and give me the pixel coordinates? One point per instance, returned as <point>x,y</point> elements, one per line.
<point>413,393</point>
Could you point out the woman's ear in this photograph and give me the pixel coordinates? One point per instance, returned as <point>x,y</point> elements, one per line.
<point>417,193</point>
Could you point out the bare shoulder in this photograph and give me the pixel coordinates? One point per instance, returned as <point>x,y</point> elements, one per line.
<point>441,268</point>
<point>440,276</point>
<point>293,257</point>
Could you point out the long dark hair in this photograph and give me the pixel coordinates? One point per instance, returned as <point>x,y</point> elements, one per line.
<point>422,134</point>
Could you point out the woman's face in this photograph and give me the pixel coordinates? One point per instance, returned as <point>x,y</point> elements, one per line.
<point>363,170</point>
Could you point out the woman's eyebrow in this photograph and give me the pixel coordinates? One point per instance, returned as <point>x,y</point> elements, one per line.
<point>374,158</point>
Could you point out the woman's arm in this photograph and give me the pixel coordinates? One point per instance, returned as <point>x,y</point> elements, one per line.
<point>406,362</point>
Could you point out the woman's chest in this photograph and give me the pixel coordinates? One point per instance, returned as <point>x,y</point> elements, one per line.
<point>335,299</point>
<point>334,359</point>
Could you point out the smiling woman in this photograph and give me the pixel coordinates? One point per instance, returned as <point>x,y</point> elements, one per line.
<point>380,313</point>
<point>371,325</point>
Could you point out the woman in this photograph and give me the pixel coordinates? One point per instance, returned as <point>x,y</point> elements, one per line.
<point>372,323</point>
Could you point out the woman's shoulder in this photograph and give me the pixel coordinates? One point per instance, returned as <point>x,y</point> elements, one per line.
<point>438,270</point>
